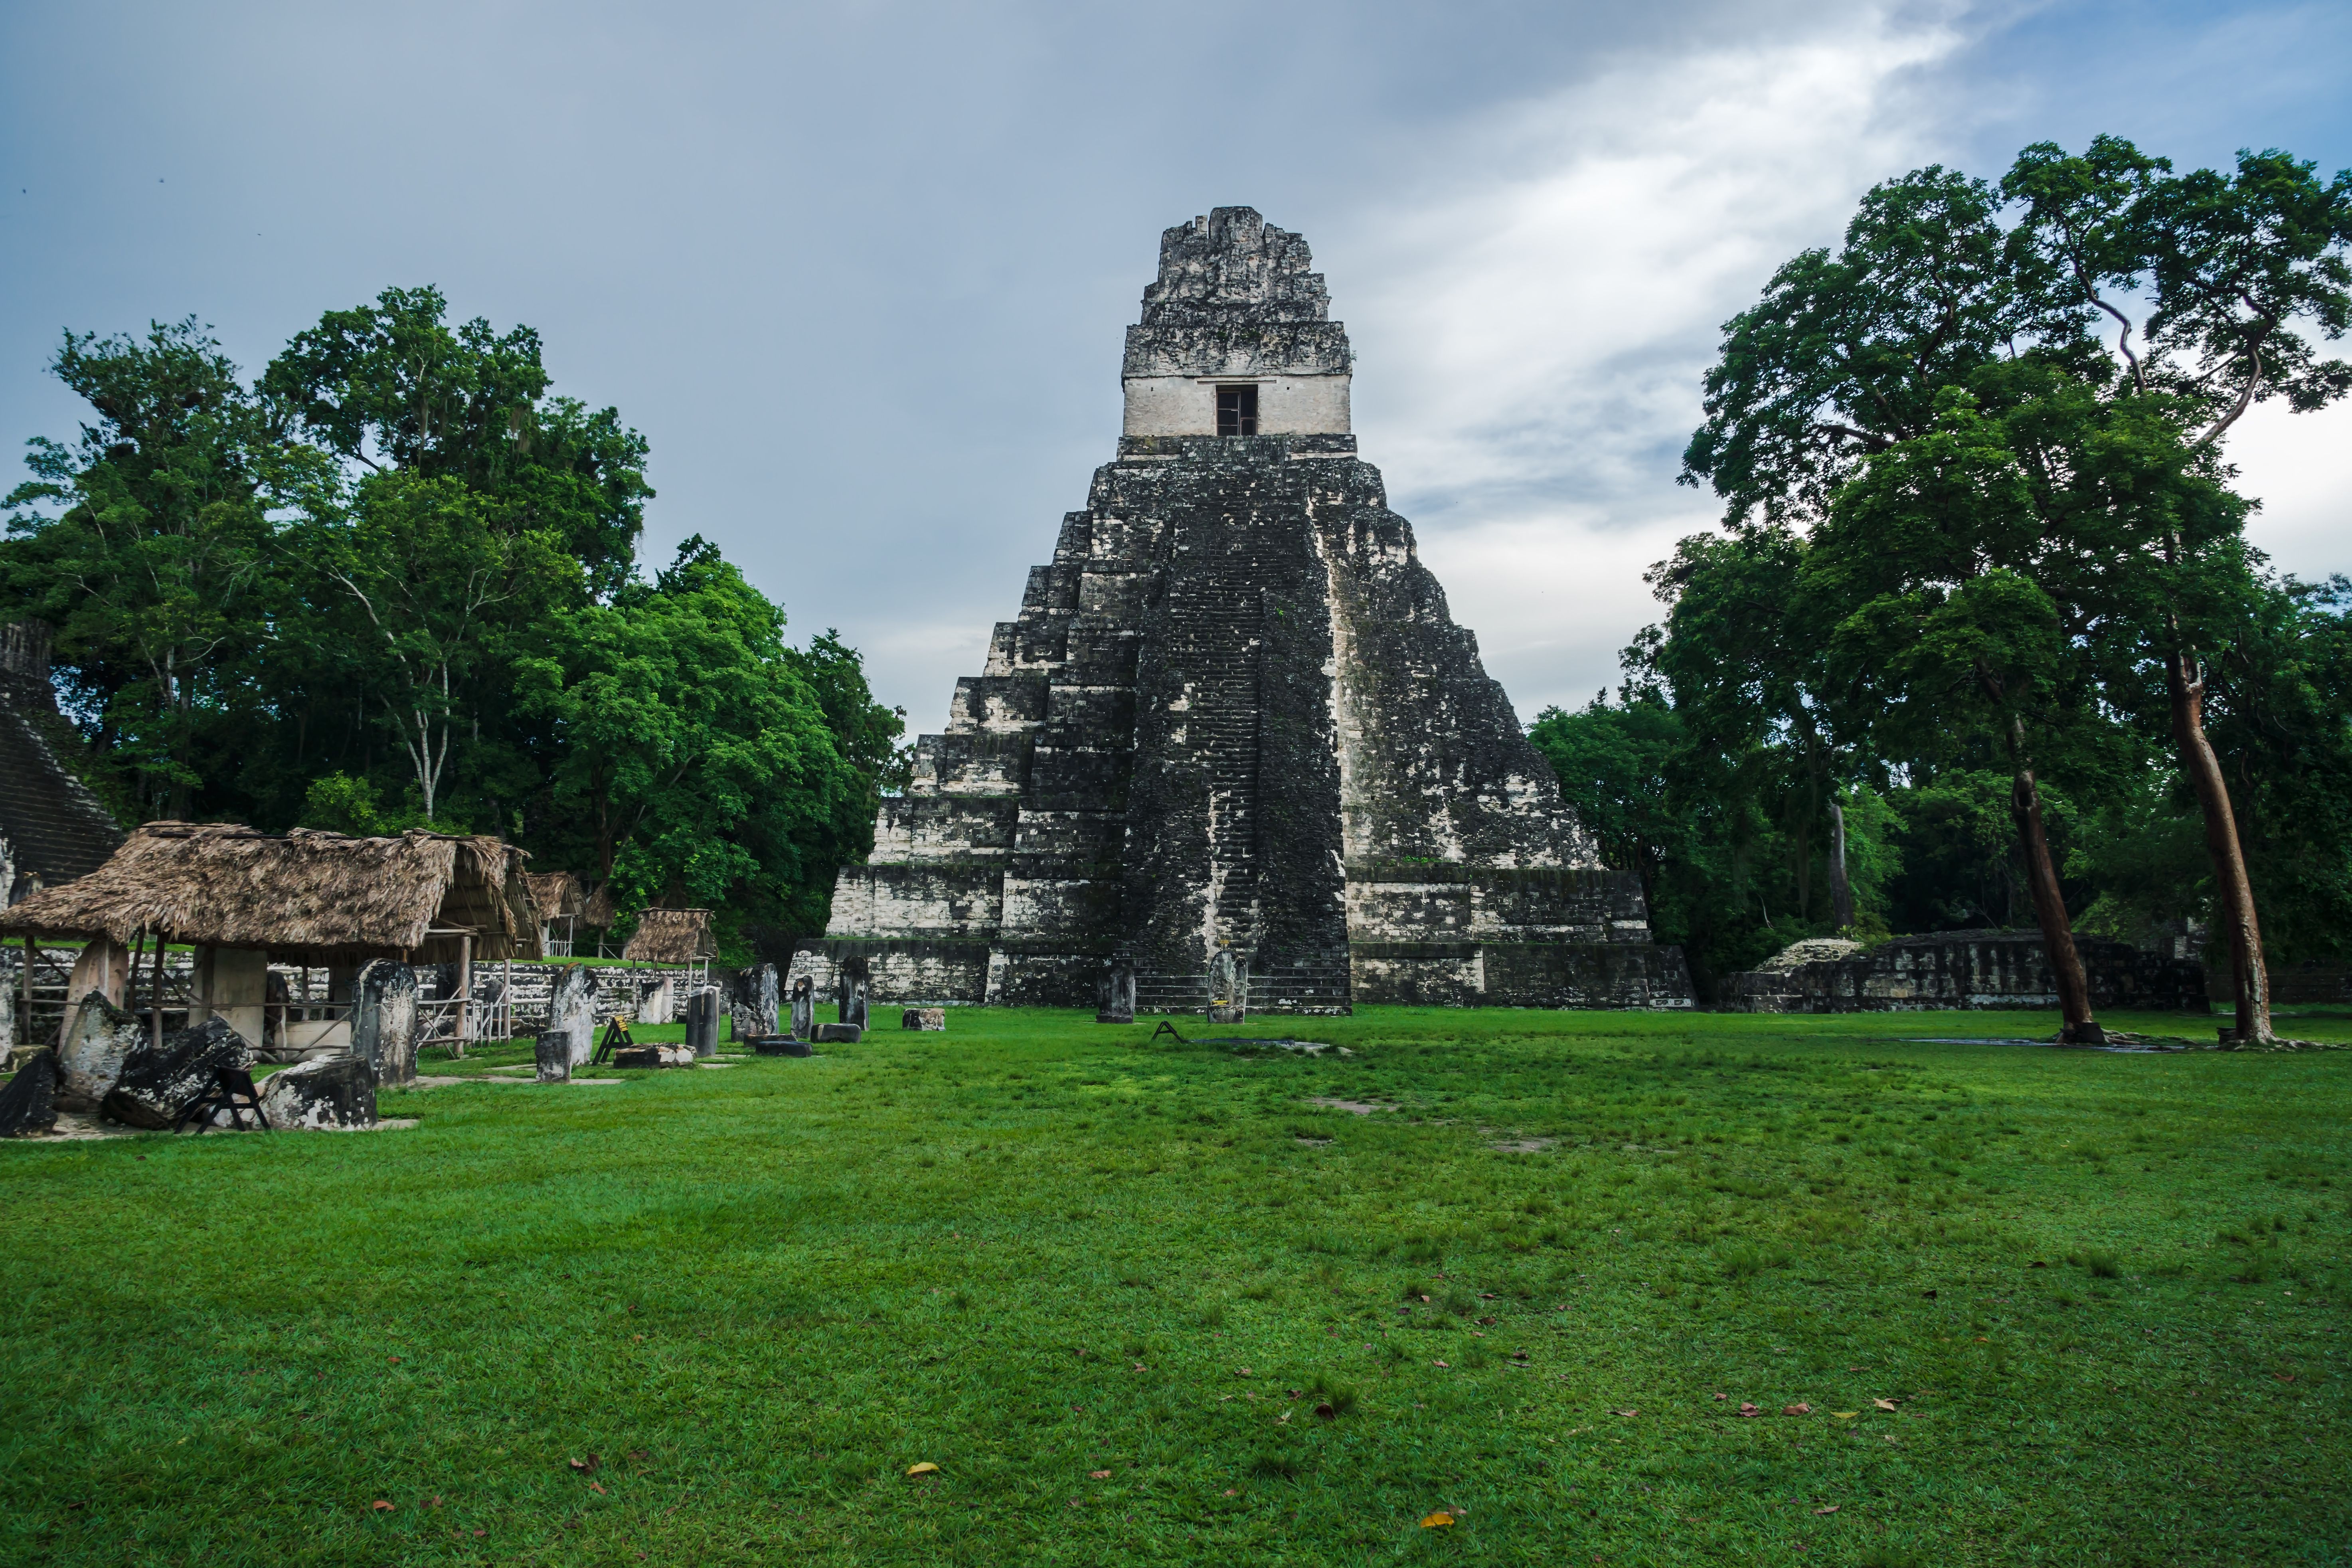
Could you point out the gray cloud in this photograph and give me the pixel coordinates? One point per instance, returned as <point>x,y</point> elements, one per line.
<point>860,271</point>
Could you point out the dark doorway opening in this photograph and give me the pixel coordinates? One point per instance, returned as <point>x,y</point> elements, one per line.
<point>1237,411</point>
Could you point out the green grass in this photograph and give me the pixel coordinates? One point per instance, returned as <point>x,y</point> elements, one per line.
<point>1035,1249</point>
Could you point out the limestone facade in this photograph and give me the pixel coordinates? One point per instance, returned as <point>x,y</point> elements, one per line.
<point>1234,717</point>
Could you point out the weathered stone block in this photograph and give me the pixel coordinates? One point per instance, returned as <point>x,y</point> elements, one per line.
<point>28,1106</point>
<point>555,1056</point>
<point>330,1093</point>
<point>803,1006</point>
<point>930,1018</point>
<point>839,1033</point>
<point>156,1085</point>
<point>99,1039</point>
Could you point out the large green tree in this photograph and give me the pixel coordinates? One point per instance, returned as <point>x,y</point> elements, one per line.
<point>1942,380</point>
<point>697,761</point>
<point>155,568</point>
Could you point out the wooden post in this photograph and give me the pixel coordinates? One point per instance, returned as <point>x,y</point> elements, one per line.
<point>465,990</point>
<point>155,997</point>
<point>505,999</point>
<point>27,1036</point>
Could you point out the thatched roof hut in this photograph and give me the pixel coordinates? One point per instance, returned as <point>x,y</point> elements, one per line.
<point>309,897</point>
<point>559,895</point>
<point>598,913</point>
<point>671,936</point>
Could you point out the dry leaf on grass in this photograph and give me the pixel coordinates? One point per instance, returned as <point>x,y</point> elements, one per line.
<point>923,1468</point>
<point>381,1506</point>
<point>1882,1404</point>
<point>1845,1415</point>
<point>1437,1521</point>
<point>1625,1412</point>
<point>597,1487</point>
<point>1796,1410</point>
<point>1831,1508</point>
<point>586,1467</point>
<point>1098,1474</point>
<point>1439,1364</point>
<point>1748,1409</point>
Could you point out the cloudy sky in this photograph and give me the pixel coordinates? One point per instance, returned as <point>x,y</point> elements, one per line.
<point>860,271</point>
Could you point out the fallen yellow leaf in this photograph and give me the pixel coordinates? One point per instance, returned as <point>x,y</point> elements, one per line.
<point>1831,1508</point>
<point>1437,1521</point>
<point>924,1469</point>
<point>1845,1415</point>
<point>1882,1404</point>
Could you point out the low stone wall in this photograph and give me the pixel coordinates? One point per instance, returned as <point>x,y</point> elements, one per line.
<point>1631,975</point>
<point>1967,969</point>
<point>620,989</point>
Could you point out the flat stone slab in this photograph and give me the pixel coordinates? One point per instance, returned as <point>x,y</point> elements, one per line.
<point>1352,1107</point>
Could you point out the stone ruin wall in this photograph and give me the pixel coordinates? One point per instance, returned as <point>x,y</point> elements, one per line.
<point>1967,970</point>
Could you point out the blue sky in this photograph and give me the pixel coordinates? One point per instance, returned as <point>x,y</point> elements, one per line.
<point>860,272</point>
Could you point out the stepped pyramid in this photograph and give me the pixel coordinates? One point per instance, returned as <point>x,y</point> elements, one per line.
<point>1235,718</point>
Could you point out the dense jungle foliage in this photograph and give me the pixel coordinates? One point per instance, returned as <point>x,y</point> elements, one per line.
<point>394,582</point>
<point>1981,553</point>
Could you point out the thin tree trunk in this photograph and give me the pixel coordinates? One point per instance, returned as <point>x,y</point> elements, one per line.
<point>2250,975</point>
<point>2050,909</point>
<point>1840,890</point>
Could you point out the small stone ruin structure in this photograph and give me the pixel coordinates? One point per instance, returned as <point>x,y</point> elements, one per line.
<point>1965,969</point>
<point>1235,718</point>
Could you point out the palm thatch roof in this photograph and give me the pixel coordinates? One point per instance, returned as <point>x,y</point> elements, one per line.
<point>598,913</point>
<point>316,896</point>
<point>559,895</point>
<point>670,936</point>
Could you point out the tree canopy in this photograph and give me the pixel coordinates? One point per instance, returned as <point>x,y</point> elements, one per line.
<point>1979,539</point>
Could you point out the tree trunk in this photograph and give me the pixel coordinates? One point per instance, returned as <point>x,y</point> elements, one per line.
<point>2050,913</point>
<point>1840,890</point>
<point>2235,893</point>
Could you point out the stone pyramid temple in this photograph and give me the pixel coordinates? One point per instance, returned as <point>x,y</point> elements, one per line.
<point>1233,739</point>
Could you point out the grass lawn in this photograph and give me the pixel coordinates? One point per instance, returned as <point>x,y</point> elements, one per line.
<point>1103,1285</point>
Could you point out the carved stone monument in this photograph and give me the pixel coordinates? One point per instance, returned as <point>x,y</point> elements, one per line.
<point>383,1020</point>
<point>803,1009</point>
<point>1116,1004</point>
<point>849,993</point>
<point>571,1009</point>
<point>754,1000</point>
<point>1233,715</point>
<point>1228,988</point>
<point>554,1054</point>
<point>702,1022</point>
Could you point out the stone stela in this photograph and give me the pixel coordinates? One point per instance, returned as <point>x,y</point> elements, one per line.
<point>1234,743</point>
